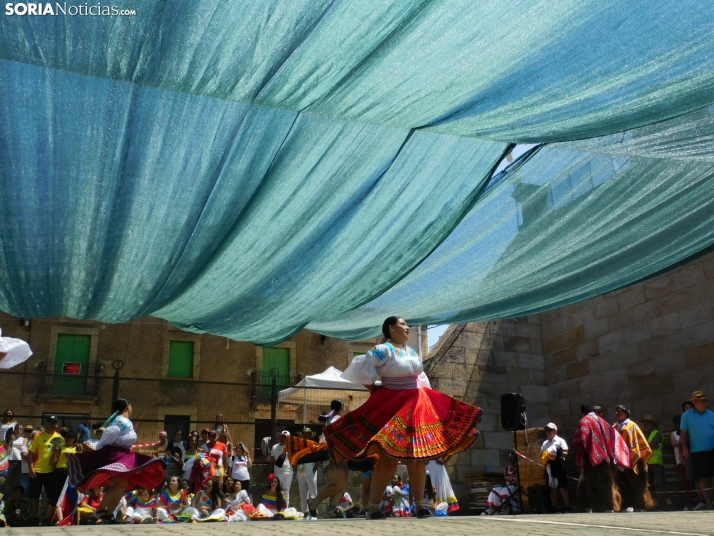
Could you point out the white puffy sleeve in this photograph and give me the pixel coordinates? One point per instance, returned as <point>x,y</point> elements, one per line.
<point>13,352</point>
<point>111,433</point>
<point>361,370</point>
<point>423,380</point>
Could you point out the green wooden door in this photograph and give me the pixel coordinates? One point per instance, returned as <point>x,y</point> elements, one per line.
<point>181,359</point>
<point>276,358</point>
<point>72,357</point>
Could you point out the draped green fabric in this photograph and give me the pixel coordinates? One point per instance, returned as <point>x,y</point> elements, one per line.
<point>250,168</point>
<point>568,222</point>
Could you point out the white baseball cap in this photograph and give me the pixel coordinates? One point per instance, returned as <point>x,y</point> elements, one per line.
<point>285,432</point>
<point>551,426</point>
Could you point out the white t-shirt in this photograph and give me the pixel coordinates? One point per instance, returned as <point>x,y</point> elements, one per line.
<point>4,428</point>
<point>15,453</point>
<point>239,467</point>
<point>552,445</point>
<point>275,452</point>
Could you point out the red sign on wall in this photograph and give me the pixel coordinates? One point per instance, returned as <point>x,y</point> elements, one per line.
<point>71,368</point>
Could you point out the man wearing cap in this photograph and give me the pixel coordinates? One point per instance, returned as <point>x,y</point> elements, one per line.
<point>280,465</point>
<point>307,478</point>
<point>655,465</point>
<point>633,480</point>
<point>552,454</point>
<point>42,470</point>
<point>697,442</point>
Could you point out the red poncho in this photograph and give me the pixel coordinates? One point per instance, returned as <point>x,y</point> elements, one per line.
<point>596,441</point>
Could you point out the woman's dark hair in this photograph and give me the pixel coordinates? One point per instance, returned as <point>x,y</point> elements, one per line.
<point>225,488</point>
<point>335,407</point>
<point>391,321</point>
<point>215,493</point>
<point>279,500</point>
<point>687,403</point>
<point>429,489</point>
<point>120,404</point>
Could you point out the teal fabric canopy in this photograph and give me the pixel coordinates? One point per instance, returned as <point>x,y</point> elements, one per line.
<point>252,168</point>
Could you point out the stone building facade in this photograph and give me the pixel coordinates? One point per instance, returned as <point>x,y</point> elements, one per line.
<point>647,346</point>
<point>221,380</point>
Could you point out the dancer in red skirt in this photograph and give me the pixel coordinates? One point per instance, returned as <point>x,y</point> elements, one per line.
<point>403,419</point>
<point>114,465</point>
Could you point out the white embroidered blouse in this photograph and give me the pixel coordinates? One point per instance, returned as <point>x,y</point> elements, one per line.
<point>386,361</point>
<point>119,433</point>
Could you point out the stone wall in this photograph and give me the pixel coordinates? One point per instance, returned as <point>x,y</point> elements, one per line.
<point>477,363</point>
<point>647,346</point>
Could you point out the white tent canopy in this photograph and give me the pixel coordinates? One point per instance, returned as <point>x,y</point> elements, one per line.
<point>328,384</point>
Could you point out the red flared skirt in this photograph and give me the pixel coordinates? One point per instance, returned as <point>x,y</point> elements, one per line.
<point>95,468</point>
<point>406,424</point>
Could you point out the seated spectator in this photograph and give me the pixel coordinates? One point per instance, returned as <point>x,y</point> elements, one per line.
<point>89,504</point>
<point>17,510</point>
<point>186,486</point>
<point>229,489</point>
<point>235,508</point>
<point>141,507</point>
<point>679,462</point>
<point>208,503</point>
<point>174,503</point>
<point>503,498</point>
<point>395,501</point>
<point>273,500</point>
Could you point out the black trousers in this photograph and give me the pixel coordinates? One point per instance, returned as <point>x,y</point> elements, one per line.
<point>596,488</point>
<point>632,487</point>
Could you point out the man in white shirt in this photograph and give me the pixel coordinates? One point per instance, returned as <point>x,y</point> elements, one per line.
<point>553,453</point>
<point>280,465</point>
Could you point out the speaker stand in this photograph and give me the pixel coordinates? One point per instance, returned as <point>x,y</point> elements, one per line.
<point>518,475</point>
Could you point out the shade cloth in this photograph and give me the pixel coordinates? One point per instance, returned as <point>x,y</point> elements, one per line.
<point>252,168</point>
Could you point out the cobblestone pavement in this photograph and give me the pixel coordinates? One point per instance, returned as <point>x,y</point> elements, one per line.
<point>635,524</point>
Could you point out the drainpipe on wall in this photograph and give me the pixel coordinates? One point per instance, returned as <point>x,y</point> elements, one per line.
<point>419,339</point>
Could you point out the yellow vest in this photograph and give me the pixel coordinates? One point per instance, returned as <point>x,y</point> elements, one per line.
<point>656,458</point>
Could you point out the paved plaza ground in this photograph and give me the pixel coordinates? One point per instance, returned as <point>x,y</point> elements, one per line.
<point>679,523</point>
